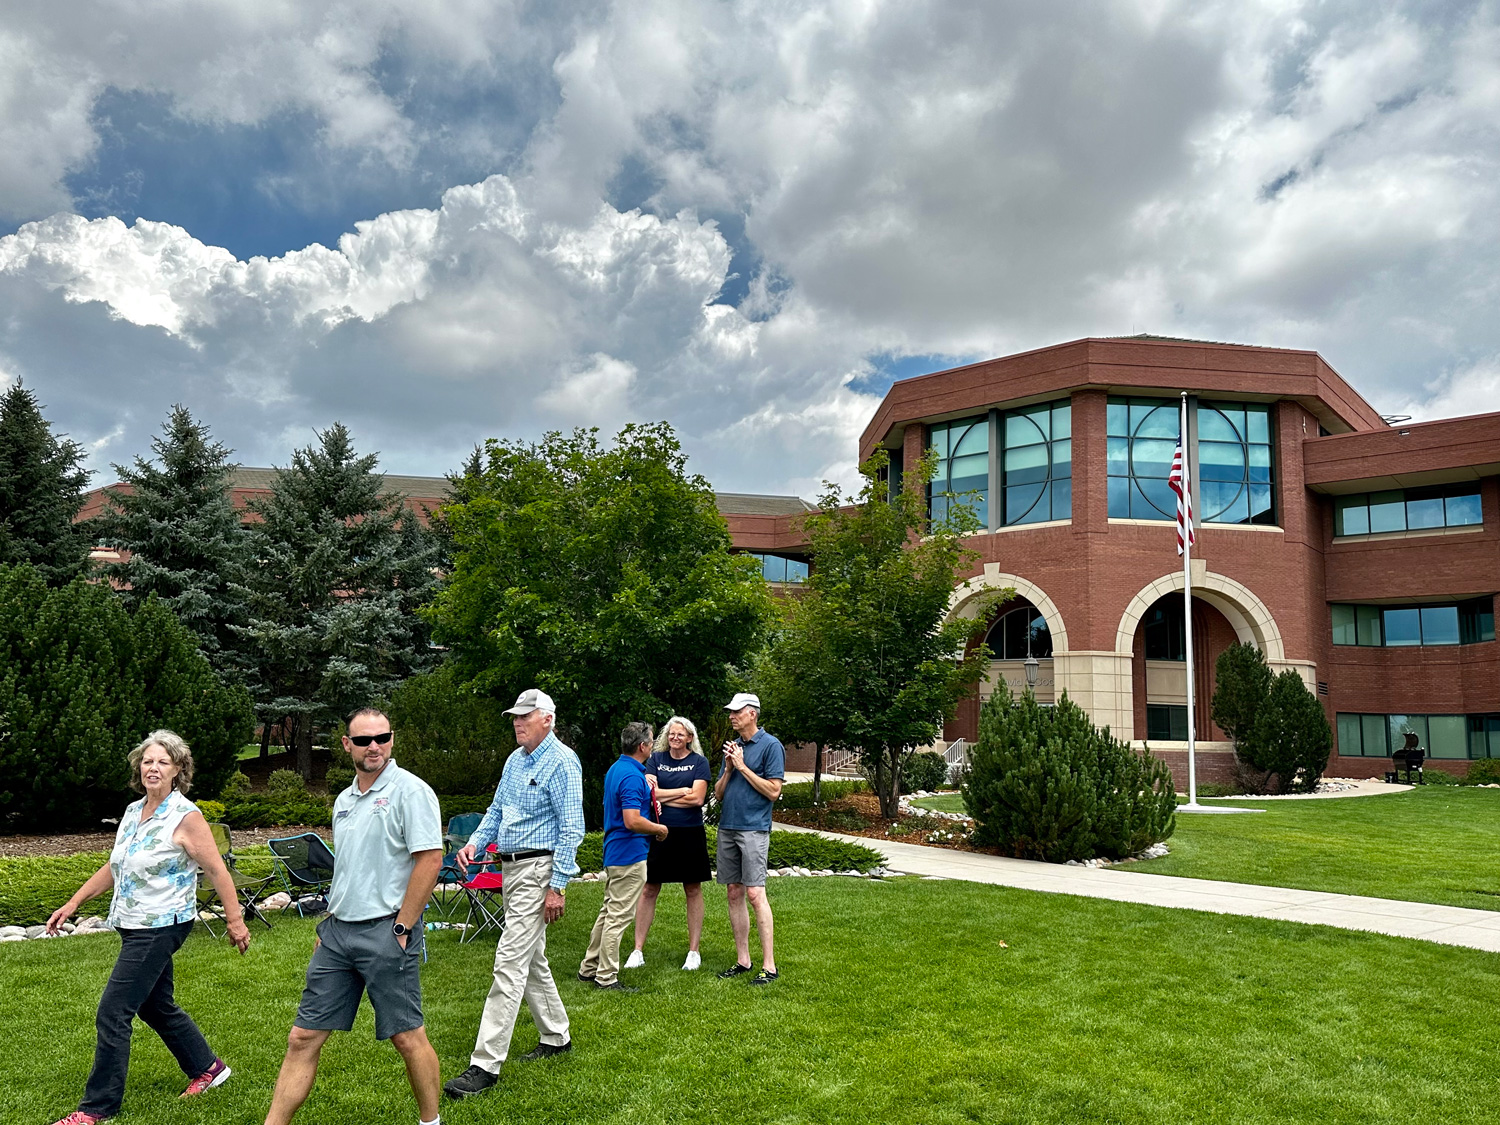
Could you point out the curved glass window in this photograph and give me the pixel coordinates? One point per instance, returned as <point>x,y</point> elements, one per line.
<point>1142,439</point>
<point>1461,623</point>
<point>1234,463</point>
<point>1013,631</point>
<point>963,466</point>
<point>1037,464</point>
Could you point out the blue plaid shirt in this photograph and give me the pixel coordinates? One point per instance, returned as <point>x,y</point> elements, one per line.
<point>538,805</point>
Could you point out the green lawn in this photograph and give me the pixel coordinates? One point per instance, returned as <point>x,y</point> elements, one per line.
<point>913,1003</point>
<point>1431,844</point>
<point>948,802</point>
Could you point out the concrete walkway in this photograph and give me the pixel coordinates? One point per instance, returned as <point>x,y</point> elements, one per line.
<point>1446,925</point>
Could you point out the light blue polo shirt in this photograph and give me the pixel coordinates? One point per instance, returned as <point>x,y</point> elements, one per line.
<point>375,834</point>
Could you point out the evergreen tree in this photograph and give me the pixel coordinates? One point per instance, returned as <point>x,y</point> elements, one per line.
<point>82,680</point>
<point>1242,681</point>
<point>185,541</point>
<point>41,490</point>
<point>1292,738</point>
<point>336,570</point>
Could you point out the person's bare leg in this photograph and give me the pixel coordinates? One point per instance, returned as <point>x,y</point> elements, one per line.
<point>764,924</point>
<point>694,893</point>
<point>422,1069</point>
<point>739,922</point>
<point>645,914</point>
<point>298,1069</point>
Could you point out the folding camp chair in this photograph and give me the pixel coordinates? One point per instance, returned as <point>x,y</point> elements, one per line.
<point>305,867</point>
<point>448,894</point>
<point>486,902</point>
<point>248,888</point>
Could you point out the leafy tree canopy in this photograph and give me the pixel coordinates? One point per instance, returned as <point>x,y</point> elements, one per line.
<point>184,539</point>
<point>41,490</point>
<point>868,658</point>
<point>601,574</point>
<point>337,570</point>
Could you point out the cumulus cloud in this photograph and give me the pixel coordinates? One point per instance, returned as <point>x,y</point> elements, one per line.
<point>731,214</point>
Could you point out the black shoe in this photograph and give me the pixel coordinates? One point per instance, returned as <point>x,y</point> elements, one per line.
<point>546,1051</point>
<point>735,970</point>
<point>475,1080</point>
<point>585,978</point>
<point>765,976</point>
<point>615,987</point>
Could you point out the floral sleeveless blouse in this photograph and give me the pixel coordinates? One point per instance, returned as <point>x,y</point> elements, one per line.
<point>156,881</point>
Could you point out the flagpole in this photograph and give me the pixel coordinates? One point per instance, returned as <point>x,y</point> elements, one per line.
<point>1187,606</point>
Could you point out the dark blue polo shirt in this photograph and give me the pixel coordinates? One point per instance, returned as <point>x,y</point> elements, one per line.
<point>625,788</point>
<point>743,808</point>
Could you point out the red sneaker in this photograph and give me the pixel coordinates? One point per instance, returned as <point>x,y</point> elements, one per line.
<point>78,1117</point>
<point>213,1076</point>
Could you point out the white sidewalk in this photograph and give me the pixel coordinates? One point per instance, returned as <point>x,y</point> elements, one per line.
<point>1447,925</point>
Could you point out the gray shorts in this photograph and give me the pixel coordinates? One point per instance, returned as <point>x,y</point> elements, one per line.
<point>359,957</point>
<point>742,857</point>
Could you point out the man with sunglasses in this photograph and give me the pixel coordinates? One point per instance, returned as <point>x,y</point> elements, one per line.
<point>388,848</point>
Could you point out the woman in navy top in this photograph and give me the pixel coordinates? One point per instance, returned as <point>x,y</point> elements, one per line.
<point>679,776</point>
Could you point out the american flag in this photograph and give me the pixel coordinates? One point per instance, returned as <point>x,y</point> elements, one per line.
<point>1177,481</point>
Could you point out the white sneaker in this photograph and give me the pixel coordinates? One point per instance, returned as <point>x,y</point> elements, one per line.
<point>635,960</point>
<point>692,962</point>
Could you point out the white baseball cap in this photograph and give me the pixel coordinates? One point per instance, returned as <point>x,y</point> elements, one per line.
<point>533,699</point>
<point>743,699</point>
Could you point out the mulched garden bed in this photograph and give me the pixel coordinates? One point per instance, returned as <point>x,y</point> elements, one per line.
<point>859,815</point>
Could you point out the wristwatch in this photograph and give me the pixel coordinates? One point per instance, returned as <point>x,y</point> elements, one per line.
<point>399,930</point>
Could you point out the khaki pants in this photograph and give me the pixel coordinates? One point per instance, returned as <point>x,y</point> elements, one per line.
<point>622,889</point>
<point>521,970</point>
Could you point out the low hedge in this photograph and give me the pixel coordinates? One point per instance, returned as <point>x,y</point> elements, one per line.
<point>268,812</point>
<point>32,887</point>
<point>798,795</point>
<point>788,849</point>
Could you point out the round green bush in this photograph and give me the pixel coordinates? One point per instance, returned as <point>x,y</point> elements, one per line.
<point>924,771</point>
<point>286,783</point>
<point>238,785</point>
<point>213,811</point>
<point>337,779</point>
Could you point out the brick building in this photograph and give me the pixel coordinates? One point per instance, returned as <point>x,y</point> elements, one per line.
<point>1364,555</point>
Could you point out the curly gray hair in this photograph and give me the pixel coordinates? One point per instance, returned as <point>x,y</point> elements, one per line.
<point>176,749</point>
<point>686,724</point>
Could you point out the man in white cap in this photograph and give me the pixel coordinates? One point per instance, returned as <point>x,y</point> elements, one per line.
<point>536,823</point>
<point>748,785</point>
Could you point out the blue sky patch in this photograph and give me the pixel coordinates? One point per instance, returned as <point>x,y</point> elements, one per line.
<point>888,367</point>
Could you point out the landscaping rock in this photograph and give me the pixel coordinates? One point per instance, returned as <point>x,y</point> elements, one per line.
<point>11,937</point>
<point>92,925</point>
<point>34,932</point>
<point>13,932</point>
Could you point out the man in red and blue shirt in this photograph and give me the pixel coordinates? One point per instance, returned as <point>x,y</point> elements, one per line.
<point>627,824</point>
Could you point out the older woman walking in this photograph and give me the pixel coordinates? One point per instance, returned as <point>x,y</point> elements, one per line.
<point>162,843</point>
<point>678,773</point>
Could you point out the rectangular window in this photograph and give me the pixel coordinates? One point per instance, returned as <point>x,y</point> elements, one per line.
<point>1440,624</point>
<point>1036,464</point>
<point>1367,618</point>
<point>1343,625</point>
<point>1402,627</point>
<point>1476,621</point>
<point>1349,742</point>
<point>1412,509</point>
<point>1484,736</point>
<point>780,568</point>
<point>1372,735</point>
<point>1166,722</point>
<point>963,467</point>
<point>1445,736</point>
<point>1142,436</point>
<point>1439,736</point>
<point>1466,623</point>
<point>1235,482</point>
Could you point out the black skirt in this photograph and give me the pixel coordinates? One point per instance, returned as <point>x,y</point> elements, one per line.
<point>681,858</point>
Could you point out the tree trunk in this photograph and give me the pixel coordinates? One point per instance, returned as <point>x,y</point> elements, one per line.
<point>304,742</point>
<point>817,773</point>
<point>265,740</point>
<point>890,794</point>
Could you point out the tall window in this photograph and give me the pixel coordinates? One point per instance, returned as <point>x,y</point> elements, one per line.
<point>1234,463</point>
<point>1012,633</point>
<point>1037,464</point>
<point>1411,509</point>
<point>963,466</point>
<point>1166,630</point>
<point>1469,622</point>
<point>1142,438</point>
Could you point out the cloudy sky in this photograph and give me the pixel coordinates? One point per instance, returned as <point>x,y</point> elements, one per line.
<point>444,220</point>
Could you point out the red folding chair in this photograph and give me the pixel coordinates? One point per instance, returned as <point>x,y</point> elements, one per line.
<point>483,890</point>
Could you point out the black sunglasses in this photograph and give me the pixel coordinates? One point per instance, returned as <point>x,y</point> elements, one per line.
<point>366,739</point>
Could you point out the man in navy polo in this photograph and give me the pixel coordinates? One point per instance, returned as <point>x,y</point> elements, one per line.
<point>627,823</point>
<point>748,785</point>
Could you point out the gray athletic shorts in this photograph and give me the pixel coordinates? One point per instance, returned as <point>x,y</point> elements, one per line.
<point>742,857</point>
<point>359,957</point>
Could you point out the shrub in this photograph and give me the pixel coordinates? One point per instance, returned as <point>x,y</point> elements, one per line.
<point>798,795</point>
<point>1045,783</point>
<point>1289,747</point>
<point>32,887</point>
<point>82,680</point>
<point>286,783</point>
<point>268,812</point>
<point>923,770</point>
<point>212,811</point>
<point>1485,771</point>
<point>238,785</point>
<point>1431,776</point>
<point>451,737</point>
<point>788,849</point>
<point>452,805</point>
<point>337,779</point>
<point>1242,681</point>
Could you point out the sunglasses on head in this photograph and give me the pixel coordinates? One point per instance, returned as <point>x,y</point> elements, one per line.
<point>366,739</point>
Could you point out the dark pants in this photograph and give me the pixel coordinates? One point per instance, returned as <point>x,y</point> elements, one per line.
<point>141,985</point>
